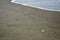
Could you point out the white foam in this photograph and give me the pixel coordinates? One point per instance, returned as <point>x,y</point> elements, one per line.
<point>12,0</point>
<point>34,6</point>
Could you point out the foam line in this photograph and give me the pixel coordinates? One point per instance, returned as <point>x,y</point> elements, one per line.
<point>34,6</point>
<point>12,0</point>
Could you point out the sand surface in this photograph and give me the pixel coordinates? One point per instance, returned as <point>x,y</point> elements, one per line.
<point>18,22</point>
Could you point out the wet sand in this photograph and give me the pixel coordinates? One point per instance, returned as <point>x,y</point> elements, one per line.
<point>18,22</point>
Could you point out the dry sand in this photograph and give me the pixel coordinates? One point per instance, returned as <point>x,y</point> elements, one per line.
<point>18,22</point>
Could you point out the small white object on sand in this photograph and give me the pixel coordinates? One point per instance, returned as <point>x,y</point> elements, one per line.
<point>43,30</point>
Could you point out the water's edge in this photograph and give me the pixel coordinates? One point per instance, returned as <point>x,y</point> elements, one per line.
<point>13,1</point>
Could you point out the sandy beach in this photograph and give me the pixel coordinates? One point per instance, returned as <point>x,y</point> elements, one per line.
<point>18,22</point>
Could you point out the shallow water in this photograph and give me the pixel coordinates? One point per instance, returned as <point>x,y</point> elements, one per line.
<point>53,5</point>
